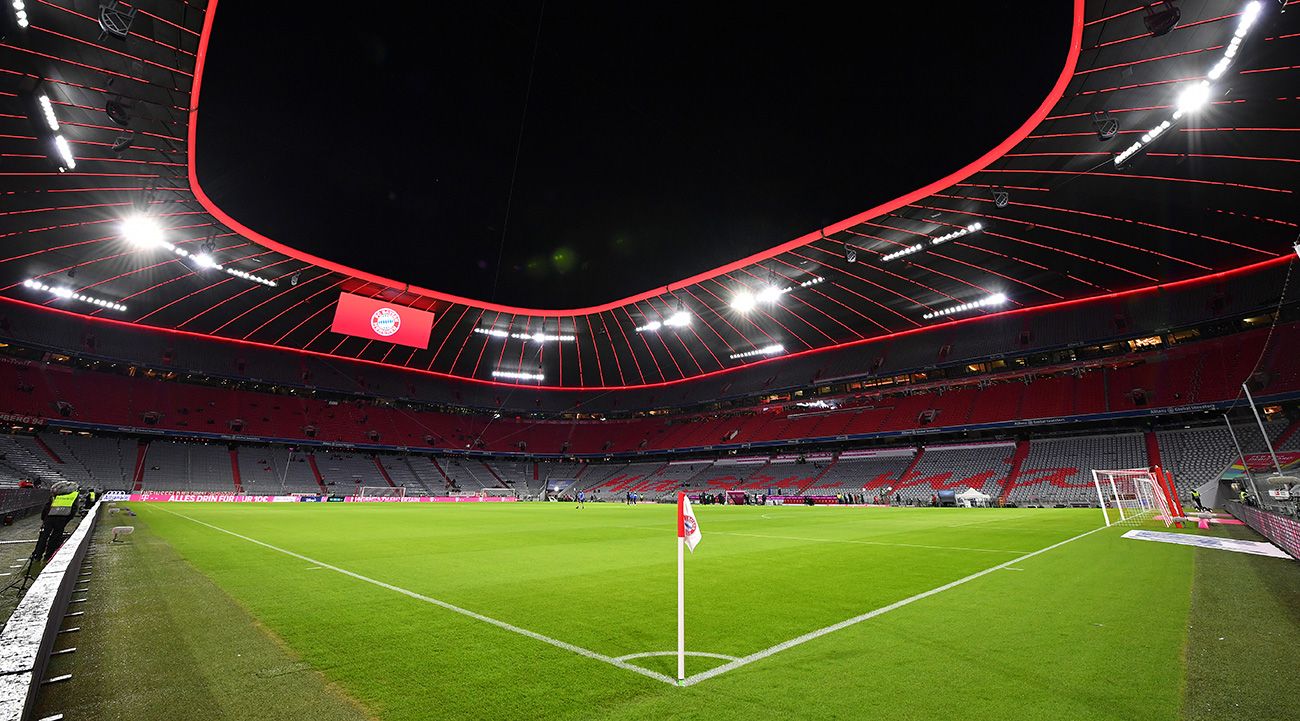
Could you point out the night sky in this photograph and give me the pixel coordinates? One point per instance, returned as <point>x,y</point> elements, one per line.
<point>660,140</point>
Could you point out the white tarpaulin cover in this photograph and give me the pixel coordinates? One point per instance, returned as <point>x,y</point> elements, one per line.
<point>1259,548</point>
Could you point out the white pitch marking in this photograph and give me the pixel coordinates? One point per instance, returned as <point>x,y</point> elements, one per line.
<point>4,543</point>
<point>869,543</point>
<point>1008,568</point>
<point>448,606</point>
<point>702,654</point>
<point>745,660</point>
<point>313,568</point>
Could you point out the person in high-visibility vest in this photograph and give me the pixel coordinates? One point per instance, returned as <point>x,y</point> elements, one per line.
<point>61,508</point>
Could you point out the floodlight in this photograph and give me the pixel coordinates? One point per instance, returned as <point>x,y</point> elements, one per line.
<point>769,294</point>
<point>1194,97</point>
<point>994,299</point>
<point>772,349</point>
<point>905,251</point>
<point>62,292</point>
<point>518,375</point>
<point>142,231</point>
<point>47,109</point>
<point>66,161</point>
<point>743,301</point>
<point>203,260</point>
<point>678,319</point>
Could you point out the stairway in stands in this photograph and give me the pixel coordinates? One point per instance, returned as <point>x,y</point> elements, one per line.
<point>1017,460</point>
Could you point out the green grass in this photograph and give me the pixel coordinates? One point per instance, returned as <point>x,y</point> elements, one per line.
<point>1095,629</point>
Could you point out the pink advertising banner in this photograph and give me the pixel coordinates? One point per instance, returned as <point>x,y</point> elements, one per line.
<point>236,498</point>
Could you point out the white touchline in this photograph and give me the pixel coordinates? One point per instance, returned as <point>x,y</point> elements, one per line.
<point>448,606</point>
<point>745,660</point>
<point>868,543</point>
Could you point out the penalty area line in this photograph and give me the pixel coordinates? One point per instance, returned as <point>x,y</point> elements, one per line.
<point>784,645</point>
<point>618,662</point>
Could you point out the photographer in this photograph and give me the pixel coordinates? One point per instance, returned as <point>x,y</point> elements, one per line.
<point>55,516</point>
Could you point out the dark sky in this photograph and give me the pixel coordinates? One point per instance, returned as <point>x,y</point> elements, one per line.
<point>661,140</point>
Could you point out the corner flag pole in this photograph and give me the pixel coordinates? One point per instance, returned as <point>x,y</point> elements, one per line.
<point>688,534</point>
<point>681,609</point>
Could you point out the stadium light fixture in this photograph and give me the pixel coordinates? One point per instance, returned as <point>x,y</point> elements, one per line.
<point>47,110</point>
<point>1196,96</point>
<point>518,375</point>
<point>743,301</point>
<point>992,300</point>
<point>1161,22</point>
<point>66,160</point>
<point>679,319</point>
<point>771,294</point>
<point>494,332</point>
<point>900,253</point>
<point>144,232</point>
<point>249,276</point>
<point>773,349</point>
<point>972,228</point>
<point>540,337</point>
<point>20,13</point>
<point>205,261</point>
<point>70,294</point>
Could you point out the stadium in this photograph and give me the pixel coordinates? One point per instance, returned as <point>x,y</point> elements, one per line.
<point>1018,441</point>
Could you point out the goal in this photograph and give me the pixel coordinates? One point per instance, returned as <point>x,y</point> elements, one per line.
<point>381,492</point>
<point>1131,496</point>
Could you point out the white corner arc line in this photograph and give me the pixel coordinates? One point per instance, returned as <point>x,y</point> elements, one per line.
<point>448,606</point>
<point>760,655</point>
<point>702,654</point>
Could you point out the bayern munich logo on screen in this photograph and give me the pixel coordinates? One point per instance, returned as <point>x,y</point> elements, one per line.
<point>688,524</point>
<point>385,322</point>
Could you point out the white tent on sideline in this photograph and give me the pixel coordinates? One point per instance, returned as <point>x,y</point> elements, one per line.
<point>973,497</point>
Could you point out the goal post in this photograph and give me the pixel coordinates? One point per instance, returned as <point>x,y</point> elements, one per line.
<point>381,492</point>
<point>1131,496</point>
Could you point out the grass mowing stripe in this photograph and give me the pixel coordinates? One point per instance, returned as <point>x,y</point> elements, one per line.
<point>443,604</point>
<point>869,543</point>
<point>745,660</point>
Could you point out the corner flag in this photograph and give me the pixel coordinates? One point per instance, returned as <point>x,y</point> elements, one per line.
<point>687,527</point>
<point>688,535</point>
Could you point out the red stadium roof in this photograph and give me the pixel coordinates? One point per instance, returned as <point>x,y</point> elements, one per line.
<point>1213,194</point>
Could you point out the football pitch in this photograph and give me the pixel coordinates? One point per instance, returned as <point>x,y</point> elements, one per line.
<point>491,611</point>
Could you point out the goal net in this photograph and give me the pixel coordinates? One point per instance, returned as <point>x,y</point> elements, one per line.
<point>381,492</point>
<point>1130,497</point>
